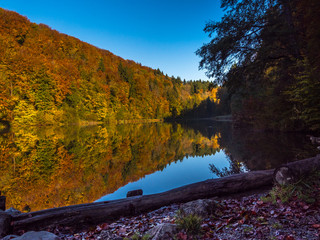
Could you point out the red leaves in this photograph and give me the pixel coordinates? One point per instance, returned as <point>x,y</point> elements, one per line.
<point>289,238</point>
<point>260,202</point>
<point>101,227</point>
<point>104,226</point>
<point>248,218</point>
<point>127,227</point>
<point>182,236</point>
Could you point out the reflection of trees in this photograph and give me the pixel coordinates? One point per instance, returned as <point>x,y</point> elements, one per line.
<point>56,167</point>
<point>50,167</point>
<point>234,168</point>
<point>263,150</point>
<point>253,150</point>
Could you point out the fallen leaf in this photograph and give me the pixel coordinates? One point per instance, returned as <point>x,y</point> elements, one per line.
<point>306,207</point>
<point>259,202</point>
<point>289,238</point>
<point>182,236</point>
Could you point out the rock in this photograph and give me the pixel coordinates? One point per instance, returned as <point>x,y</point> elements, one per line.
<point>42,235</point>
<point>164,231</point>
<point>201,207</point>
<point>13,212</point>
<point>133,193</point>
<point>5,224</point>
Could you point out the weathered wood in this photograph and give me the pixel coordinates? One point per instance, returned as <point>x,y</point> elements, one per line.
<point>2,203</point>
<point>305,166</point>
<point>94,213</point>
<point>133,193</point>
<point>5,224</point>
<point>283,175</point>
<point>314,140</point>
<point>291,172</point>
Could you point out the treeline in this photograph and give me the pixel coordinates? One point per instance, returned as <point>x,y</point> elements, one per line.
<point>210,107</point>
<point>266,53</point>
<point>47,78</point>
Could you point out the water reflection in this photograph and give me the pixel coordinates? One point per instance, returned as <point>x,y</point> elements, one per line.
<point>177,174</point>
<point>53,167</point>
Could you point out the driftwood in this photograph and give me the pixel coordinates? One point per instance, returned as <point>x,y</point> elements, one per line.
<point>83,215</point>
<point>5,224</point>
<point>133,193</point>
<point>93,213</point>
<point>2,202</point>
<point>291,172</point>
<point>284,175</point>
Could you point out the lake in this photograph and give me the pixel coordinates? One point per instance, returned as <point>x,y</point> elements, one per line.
<point>53,167</point>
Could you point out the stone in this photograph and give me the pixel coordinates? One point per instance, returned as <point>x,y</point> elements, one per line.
<point>13,212</point>
<point>164,231</point>
<point>201,207</point>
<point>42,235</point>
<point>5,224</point>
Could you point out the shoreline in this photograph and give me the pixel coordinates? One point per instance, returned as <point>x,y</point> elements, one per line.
<point>84,215</point>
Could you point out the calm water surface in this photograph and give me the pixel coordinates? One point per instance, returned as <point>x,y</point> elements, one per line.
<point>53,167</point>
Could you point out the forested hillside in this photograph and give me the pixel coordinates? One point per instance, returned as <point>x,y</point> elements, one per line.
<point>267,54</point>
<point>47,78</point>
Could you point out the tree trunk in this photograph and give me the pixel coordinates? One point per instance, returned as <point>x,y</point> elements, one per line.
<point>84,215</point>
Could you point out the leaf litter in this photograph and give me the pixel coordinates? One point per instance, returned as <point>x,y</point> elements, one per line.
<point>244,218</point>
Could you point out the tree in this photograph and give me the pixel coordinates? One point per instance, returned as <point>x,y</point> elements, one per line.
<point>101,66</point>
<point>52,78</point>
<point>255,51</point>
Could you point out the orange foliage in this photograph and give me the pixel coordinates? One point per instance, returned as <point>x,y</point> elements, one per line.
<point>65,80</point>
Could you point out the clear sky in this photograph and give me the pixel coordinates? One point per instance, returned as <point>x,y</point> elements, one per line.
<point>157,33</point>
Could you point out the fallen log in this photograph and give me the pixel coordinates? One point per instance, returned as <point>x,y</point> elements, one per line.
<point>2,202</point>
<point>93,213</point>
<point>84,215</point>
<point>292,172</point>
<point>133,193</point>
<point>283,175</point>
<point>5,224</point>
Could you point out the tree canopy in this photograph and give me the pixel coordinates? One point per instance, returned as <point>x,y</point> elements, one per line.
<point>266,53</point>
<point>51,78</point>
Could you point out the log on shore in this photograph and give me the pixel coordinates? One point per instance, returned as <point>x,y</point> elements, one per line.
<point>84,215</point>
<point>94,213</point>
<point>293,171</point>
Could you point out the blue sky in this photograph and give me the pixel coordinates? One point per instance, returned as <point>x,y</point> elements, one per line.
<point>157,33</point>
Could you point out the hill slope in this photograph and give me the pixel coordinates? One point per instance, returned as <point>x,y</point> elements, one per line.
<point>47,77</point>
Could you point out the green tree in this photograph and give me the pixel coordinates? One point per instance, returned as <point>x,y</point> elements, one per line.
<point>255,52</point>
<point>125,73</point>
<point>101,66</point>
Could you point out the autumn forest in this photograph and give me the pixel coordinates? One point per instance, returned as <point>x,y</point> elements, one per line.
<point>51,78</point>
<point>78,122</point>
